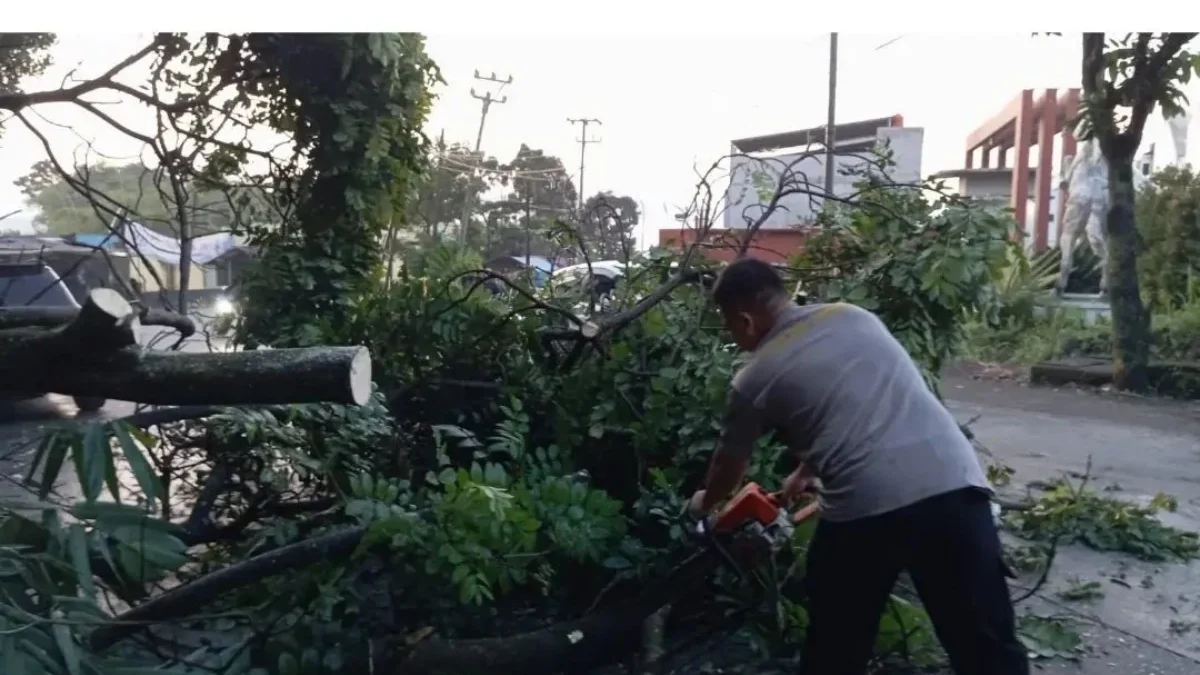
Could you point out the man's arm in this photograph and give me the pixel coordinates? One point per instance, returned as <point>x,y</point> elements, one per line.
<point>742,429</point>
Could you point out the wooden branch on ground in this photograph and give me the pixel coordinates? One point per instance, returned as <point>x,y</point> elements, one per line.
<point>193,596</point>
<point>600,638</point>
<point>96,354</point>
<point>596,639</point>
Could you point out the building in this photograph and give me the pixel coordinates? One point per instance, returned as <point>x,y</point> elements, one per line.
<point>1017,164</point>
<point>758,163</point>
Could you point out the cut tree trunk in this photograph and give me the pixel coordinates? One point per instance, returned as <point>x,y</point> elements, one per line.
<point>96,355</point>
<point>51,317</point>
<point>1131,321</point>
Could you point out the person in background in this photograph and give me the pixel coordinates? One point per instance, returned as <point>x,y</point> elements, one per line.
<point>899,485</point>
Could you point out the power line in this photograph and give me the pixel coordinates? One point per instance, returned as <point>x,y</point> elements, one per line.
<point>583,141</point>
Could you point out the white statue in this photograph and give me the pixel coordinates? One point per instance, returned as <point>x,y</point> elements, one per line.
<point>1179,132</point>
<point>1086,184</point>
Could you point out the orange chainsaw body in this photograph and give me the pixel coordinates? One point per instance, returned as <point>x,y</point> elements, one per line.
<point>751,504</point>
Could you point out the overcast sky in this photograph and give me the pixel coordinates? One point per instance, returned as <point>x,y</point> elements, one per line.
<point>667,104</point>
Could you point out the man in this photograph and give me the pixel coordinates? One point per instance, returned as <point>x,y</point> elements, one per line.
<point>900,487</point>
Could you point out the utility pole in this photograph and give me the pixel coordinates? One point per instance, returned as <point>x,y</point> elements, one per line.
<point>487,102</point>
<point>528,225</point>
<point>583,141</point>
<point>830,137</point>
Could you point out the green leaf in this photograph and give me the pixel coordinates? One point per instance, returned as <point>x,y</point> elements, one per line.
<point>108,515</point>
<point>80,557</point>
<point>146,478</point>
<point>67,649</point>
<point>92,458</point>
<point>58,445</point>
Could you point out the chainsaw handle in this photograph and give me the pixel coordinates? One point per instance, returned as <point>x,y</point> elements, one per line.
<point>803,513</point>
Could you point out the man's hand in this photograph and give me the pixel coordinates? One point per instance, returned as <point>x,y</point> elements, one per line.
<point>797,484</point>
<point>696,507</point>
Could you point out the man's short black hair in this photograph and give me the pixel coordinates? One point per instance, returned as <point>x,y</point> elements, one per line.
<point>746,283</point>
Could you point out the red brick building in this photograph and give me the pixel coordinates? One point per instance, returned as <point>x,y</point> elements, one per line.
<point>773,246</point>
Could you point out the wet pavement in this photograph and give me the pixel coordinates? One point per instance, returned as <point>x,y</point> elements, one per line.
<point>1148,618</point>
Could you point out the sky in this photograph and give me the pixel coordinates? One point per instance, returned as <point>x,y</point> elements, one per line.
<point>668,104</point>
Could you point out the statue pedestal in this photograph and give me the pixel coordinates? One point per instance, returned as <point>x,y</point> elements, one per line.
<point>1092,307</point>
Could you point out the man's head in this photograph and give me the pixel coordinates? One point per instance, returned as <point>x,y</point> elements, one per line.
<point>750,295</point>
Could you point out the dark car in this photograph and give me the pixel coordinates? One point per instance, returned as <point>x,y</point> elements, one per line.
<point>34,285</point>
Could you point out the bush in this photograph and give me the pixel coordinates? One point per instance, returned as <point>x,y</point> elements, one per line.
<point>922,266</point>
<point>1168,218</point>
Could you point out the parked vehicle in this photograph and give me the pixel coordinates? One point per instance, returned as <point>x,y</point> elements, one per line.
<point>36,285</point>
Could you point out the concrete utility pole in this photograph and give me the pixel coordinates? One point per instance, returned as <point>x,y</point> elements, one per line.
<point>830,136</point>
<point>583,141</point>
<point>487,102</point>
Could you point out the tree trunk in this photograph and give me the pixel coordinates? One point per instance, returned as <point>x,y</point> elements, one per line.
<point>1131,321</point>
<point>96,355</point>
<point>51,317</point>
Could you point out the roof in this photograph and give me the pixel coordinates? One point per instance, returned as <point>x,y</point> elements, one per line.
<point>843,133</point>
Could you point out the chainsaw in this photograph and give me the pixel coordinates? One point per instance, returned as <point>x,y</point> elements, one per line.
<point>753,526</point>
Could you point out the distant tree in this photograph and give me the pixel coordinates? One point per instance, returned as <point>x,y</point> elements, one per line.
<point>63,210</point>
<point>541,179</point>
<point>608,225</point>
<point>539,194</point>
<point>454,174</point>
<point>23,55</point>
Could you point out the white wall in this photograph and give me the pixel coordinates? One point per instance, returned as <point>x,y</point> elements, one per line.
<point>752,182</point>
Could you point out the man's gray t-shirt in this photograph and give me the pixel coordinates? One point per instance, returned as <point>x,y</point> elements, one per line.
<point>842,393</point>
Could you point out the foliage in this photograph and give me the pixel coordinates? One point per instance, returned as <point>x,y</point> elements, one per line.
<point>63,210</point>
<point>1048,637</point>
<point>1062,333</point>
<point>1068,515</point>
<point>1168,217</point>
<point>354,105</point>
<point>1021,283</point>
<point>23,55</point>
<point>609,226</point>
<point>454,175</point>
<point>920,266</point>
<point>539,193</point>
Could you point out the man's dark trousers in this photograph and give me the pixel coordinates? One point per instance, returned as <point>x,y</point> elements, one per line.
<point>950,547</point>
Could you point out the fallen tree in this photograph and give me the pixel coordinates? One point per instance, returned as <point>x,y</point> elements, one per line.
<point>51,317</point>
<point>96,354</point>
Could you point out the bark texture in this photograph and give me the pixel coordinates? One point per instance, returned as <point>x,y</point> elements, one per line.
<point>1131,321</point>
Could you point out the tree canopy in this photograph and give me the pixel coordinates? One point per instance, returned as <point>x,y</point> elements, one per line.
<point>62,209</point>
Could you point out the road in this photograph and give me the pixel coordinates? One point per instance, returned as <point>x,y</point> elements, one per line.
<point>1149,618</point>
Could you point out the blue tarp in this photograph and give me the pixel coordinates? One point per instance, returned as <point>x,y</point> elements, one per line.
<point>96,240</point>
